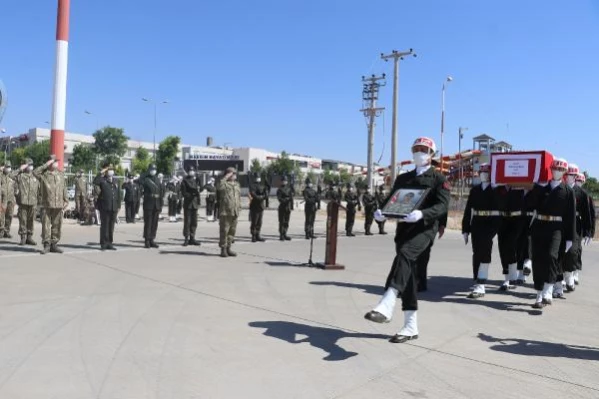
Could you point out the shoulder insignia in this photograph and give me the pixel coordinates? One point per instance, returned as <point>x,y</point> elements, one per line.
<point>447,185</point>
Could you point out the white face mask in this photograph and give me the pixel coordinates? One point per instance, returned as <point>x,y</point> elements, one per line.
<point>192,173</point>
<point>421,158</point>
<point>29,168</point>
<point>7,170</point>
<point>579,183</point>
<point>258,180</point>
<point>484,177</point>
<point>309,185</point>
<point>110,173</point>
<point>570,179</point>
<point>152,172</point>
<point>557,175</point>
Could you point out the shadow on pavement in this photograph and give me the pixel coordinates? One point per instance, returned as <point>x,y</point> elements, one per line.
<point>318,337</point>
<point>18,248</point>
<point>275,263</point>
<point>75,246</point>
<point>187,252</point>
<point>527,347</point>
<point>447,289</point>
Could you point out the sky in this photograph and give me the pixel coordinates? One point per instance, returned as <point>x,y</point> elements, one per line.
<point>286,75</point>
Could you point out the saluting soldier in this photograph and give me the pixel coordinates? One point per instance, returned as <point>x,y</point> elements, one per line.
<point>332,193</point>
<point>152,206</point>
<point>370,206</point>
<point>381,197</point>
<point>553,230</point>
<point>352,202</point>
<point>258,196</point>
<point>229,199</point>
<point>414,235</point>
<point>29,191</point>
<point>190,192</point>
<point>55,200</point>
<point>7,186</point>
<point>80,194</point>
<point>109,202</point>
<point>311,200</point>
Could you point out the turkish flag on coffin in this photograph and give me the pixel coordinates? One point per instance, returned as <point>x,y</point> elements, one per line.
<point>520,168</point>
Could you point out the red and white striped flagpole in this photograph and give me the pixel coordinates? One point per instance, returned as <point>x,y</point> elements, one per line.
<point>59,106</point>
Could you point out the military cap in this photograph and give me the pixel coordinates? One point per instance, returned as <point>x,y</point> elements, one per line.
<point>152,166</point>
<point>80,170</point>
<point>308,181</point>
<point>191,168</point>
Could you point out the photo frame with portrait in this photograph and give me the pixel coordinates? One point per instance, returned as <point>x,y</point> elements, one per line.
<point>404,201</point>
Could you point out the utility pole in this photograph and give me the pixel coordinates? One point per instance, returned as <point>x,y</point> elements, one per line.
<point>397,56</point>
<point>370,94</point>
<point>461,131</point>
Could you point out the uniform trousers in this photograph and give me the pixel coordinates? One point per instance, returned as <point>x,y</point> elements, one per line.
<point>228,228</point>
<point>51,226</point>
<point>310,217</point>
<point>209,207</point>
<point>403,274</point>
<point>130,211</point>
<point>6,217</point>
<point>507,240</point>
<point>150,223</point>
<point>350,218</point>
<point>368,218</point>
<point>190,222</point>
<point>483,232</point>
<point>107,222</point>
<point>546,239</point>
<point>26,214</point>
<point>284,216</point>
<point>256,221</point>
<point>80,203</point>
<point>523,243</point>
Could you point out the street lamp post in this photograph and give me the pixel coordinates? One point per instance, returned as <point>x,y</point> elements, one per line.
<point>447,80</point>
<point>149,100</point>
<point>461,131</point>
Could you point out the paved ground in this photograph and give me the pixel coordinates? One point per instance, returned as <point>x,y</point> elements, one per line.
<point>183,323</point>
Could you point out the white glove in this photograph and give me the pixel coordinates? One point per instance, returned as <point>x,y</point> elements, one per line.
<point>587,240</point>
<point>465,235</point>
<point>568,245</point>
<point>378,216</point>
<point>413,217</point>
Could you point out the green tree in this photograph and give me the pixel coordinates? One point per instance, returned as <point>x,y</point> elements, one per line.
<point>111,144</point>
<point>256,166</point>
<point>38,152</point>
<point>591,185</point>
<point>327,176</point>
<point>345,177</point>
<point>282,166</point>
<point>17,157</point>
<point>167,154</point>
<point>141,161</point>
<point>84,157</point>
<point>312,176</point>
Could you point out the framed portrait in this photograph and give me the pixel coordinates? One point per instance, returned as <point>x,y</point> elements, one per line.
<point>404,201</point>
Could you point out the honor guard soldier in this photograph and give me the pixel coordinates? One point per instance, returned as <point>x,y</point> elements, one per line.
<point>573,259</point>
<point>285,197</point>
<point>7,186</point>
<point>482,219</point>
<point>109,202</point>
<point>553,230</point>
<point>54,201</point>
<point>190,191</point>
<point>137,180</point>
<point>210,200</point>
<point>352,202</point>
<point>172,193</point>
<point>512,225</point>
<point>580,180</point>
<point>311,200</point>
<point>28,188</point>
<point>153,197</point>
<point>229,199</point>
<point>332,193</point>
<point>258,196</point>
<point>370,206</point>
<point>380,200</point>
<point>80,194</point>
<point>132,197</point>
<point>413,236</point>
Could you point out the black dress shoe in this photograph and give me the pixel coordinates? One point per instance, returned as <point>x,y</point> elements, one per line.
<point>153,244</point>
<point>575,282</point>
<point>539,305</point>
<point>253,238</point>
<point>476,295</point>
<point>194,242</point>
<point>259,238</point>
<point>400,339</point>
<point>559,296</point>
<point>45,250</point>
<point>547,301</point>
<point>376,317</point>
<point>103,247</point>
<point>55,249</point>
<point>111,247</point>
<point>519,282</point>
<point>281,238</point>
<point>185,242</point>
<point>570,288</point>
<point>287,238</point>
<point>147,244</point>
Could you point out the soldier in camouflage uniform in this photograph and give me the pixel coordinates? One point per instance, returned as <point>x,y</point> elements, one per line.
<point>80,194</point>
<point>229,200</point>
<point>7,185</point>
<point>28,191</point>
<point>54,200</point>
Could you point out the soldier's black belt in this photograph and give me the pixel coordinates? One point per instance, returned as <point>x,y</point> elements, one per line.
<point>155,195</point>
<point>548,218</point>
<point>486,213</point>
<point>512,214</point>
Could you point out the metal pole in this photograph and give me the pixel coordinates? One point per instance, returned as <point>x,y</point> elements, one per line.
<point>442,123</point>
<point>394,126</point>
<point>461,176</point>
<point>370,144</point>
<point>155,128</point>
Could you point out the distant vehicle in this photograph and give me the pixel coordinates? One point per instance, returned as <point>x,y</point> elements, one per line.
<point>71,193</point>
